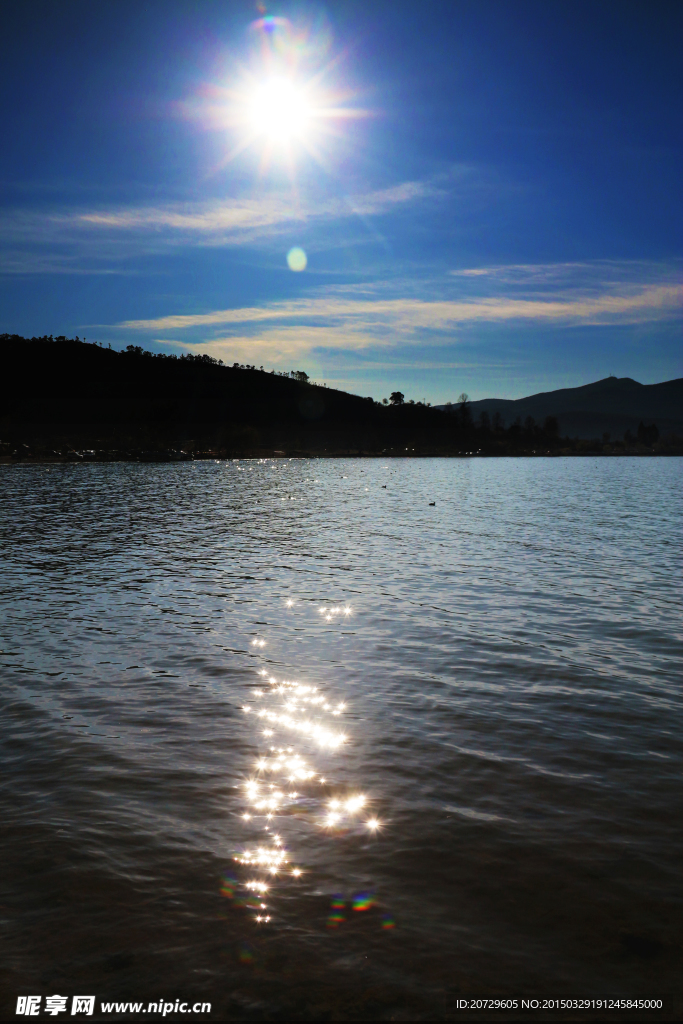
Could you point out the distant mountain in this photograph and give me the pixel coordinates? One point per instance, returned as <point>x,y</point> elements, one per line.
<point>613,405</point>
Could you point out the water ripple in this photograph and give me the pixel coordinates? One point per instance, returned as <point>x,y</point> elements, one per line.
<point>446,738</point>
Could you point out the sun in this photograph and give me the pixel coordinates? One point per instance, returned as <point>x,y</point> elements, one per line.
<point>284,100</point>
<point>279,110</point>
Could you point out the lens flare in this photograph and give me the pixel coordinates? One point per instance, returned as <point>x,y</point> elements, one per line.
<point>228,886</point>
<point>336,916</point>
<point>363,901</point>
<point>296,261</point>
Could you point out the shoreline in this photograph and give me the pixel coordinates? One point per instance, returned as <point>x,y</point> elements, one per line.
<point>80,458</point>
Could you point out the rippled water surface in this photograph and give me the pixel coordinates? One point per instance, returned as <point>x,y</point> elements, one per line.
<point>286,736</point>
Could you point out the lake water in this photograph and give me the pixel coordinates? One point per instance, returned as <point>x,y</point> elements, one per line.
<point>285,736</point>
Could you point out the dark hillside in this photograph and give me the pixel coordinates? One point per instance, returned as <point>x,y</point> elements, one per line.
<point>66,392</point>
<point>64,381</point>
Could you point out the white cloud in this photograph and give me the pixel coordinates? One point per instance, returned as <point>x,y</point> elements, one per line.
<point>585,274</point>
<point>638,305</point>
<point>235,222</point>
<point>360,318</point>
<point>236,216</point>
<point>204,218</point>
<point>83,241</point>
<point>277,345</point>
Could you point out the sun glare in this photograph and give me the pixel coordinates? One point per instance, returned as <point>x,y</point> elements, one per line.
<point>279,110</point>
<point>285,98</point>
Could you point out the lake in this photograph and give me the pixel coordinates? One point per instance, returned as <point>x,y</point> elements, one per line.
<point>339,739</point>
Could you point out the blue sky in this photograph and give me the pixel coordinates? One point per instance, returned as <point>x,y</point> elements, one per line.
<point>487,193</point>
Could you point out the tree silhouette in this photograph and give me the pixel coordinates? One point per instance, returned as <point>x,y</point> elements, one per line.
<point>515,428</point>
<point>647,435</point>
<point>551,428</point>
<point>465,411</point>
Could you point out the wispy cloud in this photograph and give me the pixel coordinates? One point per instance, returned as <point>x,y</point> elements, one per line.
<point>364,317</point>
<point>31,263</point>
<point>233,217</point>
<point>69,240</point>
<point>281,344</point>
<point>205,218</point>
<point>650,302</point>
<point>577,274</point>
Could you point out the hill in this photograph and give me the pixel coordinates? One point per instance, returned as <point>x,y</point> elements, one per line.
<point>68,381</point>
<point>65,399</point>
<point>63,392</point>
<point>613,405</point>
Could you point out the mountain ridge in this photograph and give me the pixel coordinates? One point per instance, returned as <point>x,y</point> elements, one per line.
<point>611,405</point>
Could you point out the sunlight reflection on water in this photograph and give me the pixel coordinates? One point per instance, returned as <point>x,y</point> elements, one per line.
<point>291,706</point>
<point>459,723</point>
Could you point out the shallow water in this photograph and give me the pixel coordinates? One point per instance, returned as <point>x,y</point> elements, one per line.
<point>509,661</point>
